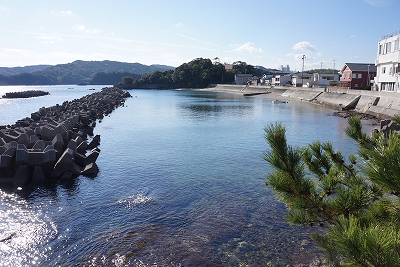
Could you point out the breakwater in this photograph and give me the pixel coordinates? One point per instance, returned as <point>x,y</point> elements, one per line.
<point>25,94</point>
<point>53,142</point>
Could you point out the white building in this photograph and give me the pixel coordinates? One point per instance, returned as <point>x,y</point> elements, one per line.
<point>285,69</point>
<point>388,64</point>
<point>301,79</point>
<point>315,79</point>
<point>281,80</point>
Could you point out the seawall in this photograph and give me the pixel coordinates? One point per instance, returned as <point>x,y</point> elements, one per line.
<point>53,143</point>
<point>383,105</point>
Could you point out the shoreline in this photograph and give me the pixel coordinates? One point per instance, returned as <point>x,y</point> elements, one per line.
<point>370,121</point>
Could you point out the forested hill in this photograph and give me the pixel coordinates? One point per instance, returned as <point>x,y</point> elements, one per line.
<point>18,70</point>
<point>78,72</point>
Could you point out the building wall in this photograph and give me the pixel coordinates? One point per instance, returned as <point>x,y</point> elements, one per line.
<point>388,64</point>
<point>242,79</point>
<point>299,80</point>
<point>356,79</point>
<point>281,80</point>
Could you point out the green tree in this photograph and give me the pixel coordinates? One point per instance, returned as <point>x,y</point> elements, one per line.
<point>356,200</point>
<point>127,83</point>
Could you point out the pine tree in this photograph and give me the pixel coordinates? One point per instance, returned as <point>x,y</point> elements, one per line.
<point>356,200</point>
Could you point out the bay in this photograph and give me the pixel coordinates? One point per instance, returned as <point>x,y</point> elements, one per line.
<point>181,183</point>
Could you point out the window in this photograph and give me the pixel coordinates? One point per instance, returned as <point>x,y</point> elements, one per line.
<point>384,70</point>
<point>388,47</point>
<point>348,76</point>
<point>396,45</point>
<point>356,85</point>
<point>359,75</point>
<point>390,71</point>
<point>380,49</point>
<point>354,75</point>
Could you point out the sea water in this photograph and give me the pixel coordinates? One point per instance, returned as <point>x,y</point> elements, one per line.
<point>181,183</point>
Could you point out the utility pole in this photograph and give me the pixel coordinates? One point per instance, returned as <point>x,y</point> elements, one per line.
<point>368,79</point>
<point>302,72</point>
<point>333,71</point>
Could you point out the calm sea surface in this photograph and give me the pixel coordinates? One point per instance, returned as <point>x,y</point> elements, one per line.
<point>181,183</point>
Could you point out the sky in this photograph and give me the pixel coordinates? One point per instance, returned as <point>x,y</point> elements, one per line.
<point>268,33</point>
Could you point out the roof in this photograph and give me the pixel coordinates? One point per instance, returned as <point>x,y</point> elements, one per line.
<point>244,75</point>
<point>305,74</point>
<point>360,67</point>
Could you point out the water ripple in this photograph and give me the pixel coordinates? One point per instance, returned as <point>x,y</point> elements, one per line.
<point>134,200</point>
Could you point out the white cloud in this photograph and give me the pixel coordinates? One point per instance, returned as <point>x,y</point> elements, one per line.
<point>3,8</point>
<point>178,25</point>
<point>304,47</point>
<point>296,56</point>
<point>48,38</point>
<point>352,36</point>
<point>66,12</point>
<point>93,31</point>
<point>81,27</point>
<point>249,48</point>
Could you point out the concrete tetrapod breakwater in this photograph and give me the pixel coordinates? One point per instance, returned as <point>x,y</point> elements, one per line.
<point>53,142</point>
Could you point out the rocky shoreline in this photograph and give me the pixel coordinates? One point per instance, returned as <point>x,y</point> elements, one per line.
<point>352,113</point>
<point>53,143</point>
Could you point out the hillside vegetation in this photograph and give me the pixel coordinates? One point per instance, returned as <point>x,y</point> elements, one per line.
<point>198,73</point>
<point>18,70</point>
<point>82,72</point>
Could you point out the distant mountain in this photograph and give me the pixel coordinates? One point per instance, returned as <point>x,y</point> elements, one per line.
<point>18,70</point>
<point>267,70</point>
<point>82,72</point>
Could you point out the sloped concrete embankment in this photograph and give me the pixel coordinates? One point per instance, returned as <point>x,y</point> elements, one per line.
<point>241,89</point>
<point>53,142</point>
<point>383,105</point>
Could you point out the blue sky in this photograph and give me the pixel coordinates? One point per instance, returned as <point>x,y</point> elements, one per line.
<point>172,32</point>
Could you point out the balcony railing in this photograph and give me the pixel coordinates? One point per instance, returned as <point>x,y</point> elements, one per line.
<point>390,35</point>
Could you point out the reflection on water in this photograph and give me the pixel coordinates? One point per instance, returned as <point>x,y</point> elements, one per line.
<point>181,183</point>
<point>24,228</point>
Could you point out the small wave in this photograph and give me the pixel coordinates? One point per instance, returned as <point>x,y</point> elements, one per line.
<point>134,200</point>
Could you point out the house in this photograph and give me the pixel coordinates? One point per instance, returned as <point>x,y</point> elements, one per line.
<point>242,79</point>
<point>388,64</point>
<point>315,79</point>
<point>301,79</point>
<point>281,80</point>
<point>326,79</point>
<point>357,75</point>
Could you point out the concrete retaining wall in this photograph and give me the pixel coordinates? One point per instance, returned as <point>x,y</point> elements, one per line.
<point>383,105</point>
